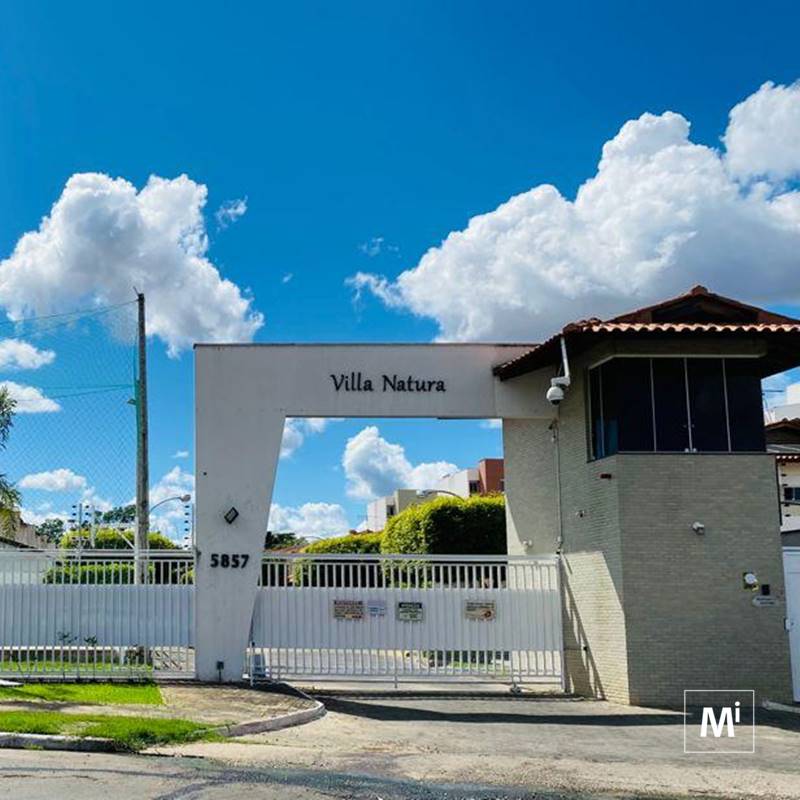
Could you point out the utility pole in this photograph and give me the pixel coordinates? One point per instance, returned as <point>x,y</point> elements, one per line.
<point>142,465</point>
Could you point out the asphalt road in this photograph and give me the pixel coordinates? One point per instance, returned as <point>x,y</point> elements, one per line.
<point>30,775</point>
<point>423,747</point>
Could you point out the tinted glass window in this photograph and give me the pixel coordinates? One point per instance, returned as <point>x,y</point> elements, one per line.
<point>629,383</point>
<point>608,394</point>
<point>745,408</point>
<point>595,405</point>
<point>628,395</point>
<point>707,404</point>
<point>669,388</point>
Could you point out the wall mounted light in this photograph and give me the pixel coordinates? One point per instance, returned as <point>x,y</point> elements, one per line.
<point>230,515</point>
<point>750,581</point>
<point>698,528</point>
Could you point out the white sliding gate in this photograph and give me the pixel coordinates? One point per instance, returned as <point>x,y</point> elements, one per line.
<point>485,618</point>
<point>84,614</point>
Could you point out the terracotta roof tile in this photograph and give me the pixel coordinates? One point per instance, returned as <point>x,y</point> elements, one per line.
<point>759,321</point>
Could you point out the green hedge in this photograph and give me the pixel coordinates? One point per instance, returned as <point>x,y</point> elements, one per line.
<point>114,573</point>
<point>304,574</point>
<point>447,525</point>
<point>112,539</point>
<point>352,543</point>
<point>118,572</point>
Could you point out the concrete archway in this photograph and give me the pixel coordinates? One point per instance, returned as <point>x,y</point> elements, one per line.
<point>244,394</point>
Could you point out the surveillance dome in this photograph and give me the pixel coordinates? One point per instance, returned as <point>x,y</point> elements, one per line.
<point>555,394</point>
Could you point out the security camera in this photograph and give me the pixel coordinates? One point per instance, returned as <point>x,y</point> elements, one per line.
<point>555,394</point>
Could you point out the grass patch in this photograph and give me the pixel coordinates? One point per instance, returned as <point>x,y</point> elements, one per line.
<point>19,669</point>
<point>129,733</point>
<point>135,733</point>
<point>32,721</point>
<point>86,693</point>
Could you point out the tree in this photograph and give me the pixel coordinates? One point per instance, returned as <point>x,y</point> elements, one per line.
<point>277,541</point>
<point>121,515</point>
<point>9,495</point>
<point>112,539</point>
<point>52,529</point>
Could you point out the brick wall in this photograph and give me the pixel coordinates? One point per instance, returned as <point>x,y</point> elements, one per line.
<point>690,622</point>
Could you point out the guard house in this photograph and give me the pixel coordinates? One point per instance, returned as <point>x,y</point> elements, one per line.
<point>654,483</point>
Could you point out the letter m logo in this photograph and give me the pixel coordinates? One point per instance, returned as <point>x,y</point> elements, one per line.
<point>709,718</point>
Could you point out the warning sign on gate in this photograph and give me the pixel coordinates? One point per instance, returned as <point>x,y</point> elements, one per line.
<point>482,610</point>
<point>348,609</point>
<point>376,608</point>
<point>410,612</point>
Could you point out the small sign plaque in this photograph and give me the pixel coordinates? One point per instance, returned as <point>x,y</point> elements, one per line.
<point>348,609</point>
<point>482,610</point>
<point>410,612</point>
<point>760,601</point>
<point>376,608</point>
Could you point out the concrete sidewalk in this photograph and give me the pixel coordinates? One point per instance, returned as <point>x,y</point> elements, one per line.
<point>537,743</point>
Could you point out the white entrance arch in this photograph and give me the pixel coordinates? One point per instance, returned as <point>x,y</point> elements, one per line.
<point>244,394</point>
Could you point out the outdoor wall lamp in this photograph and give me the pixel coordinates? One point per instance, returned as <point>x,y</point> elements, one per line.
<point>750,581</point>
<point>698,528</point>
<point>230,515</point>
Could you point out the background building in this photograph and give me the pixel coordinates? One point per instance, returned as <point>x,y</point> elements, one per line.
<point>486,478</point>
<point>783,439</point>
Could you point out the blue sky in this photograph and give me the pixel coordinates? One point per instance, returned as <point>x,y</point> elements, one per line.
<point>360,135</point>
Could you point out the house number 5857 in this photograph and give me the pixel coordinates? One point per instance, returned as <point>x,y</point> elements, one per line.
<point>229,560</point>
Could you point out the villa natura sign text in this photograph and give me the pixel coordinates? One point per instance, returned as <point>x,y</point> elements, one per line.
<point>358,382</point>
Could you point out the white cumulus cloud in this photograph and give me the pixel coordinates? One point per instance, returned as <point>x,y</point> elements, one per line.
<point>309,519</point>
<point>38,517</point>
<point>18,354</point>
<point>181,454</point>
<point>230,211</point>
<point>296,429</point>
<point>661,214</point>
<point>169,518</point>
<point>102,237</point>
<point>763,136</point>
<point>175,483</point>
<point>29,399</point>
<point>375,467</point>
<point>55,480</point>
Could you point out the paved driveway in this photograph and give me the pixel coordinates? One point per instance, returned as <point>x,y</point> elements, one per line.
<point>538,744</point>
<point>397,748</point>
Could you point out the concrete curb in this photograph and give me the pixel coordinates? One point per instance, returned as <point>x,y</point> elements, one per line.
<point>288,720</point>
<point>51,741</point>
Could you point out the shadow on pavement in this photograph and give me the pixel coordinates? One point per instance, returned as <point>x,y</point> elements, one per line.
<point>379,711</point>
<point>784,720</point>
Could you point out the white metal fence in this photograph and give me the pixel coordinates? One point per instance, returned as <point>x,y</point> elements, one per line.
<point>421,617</point>
<point>72,613</point>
